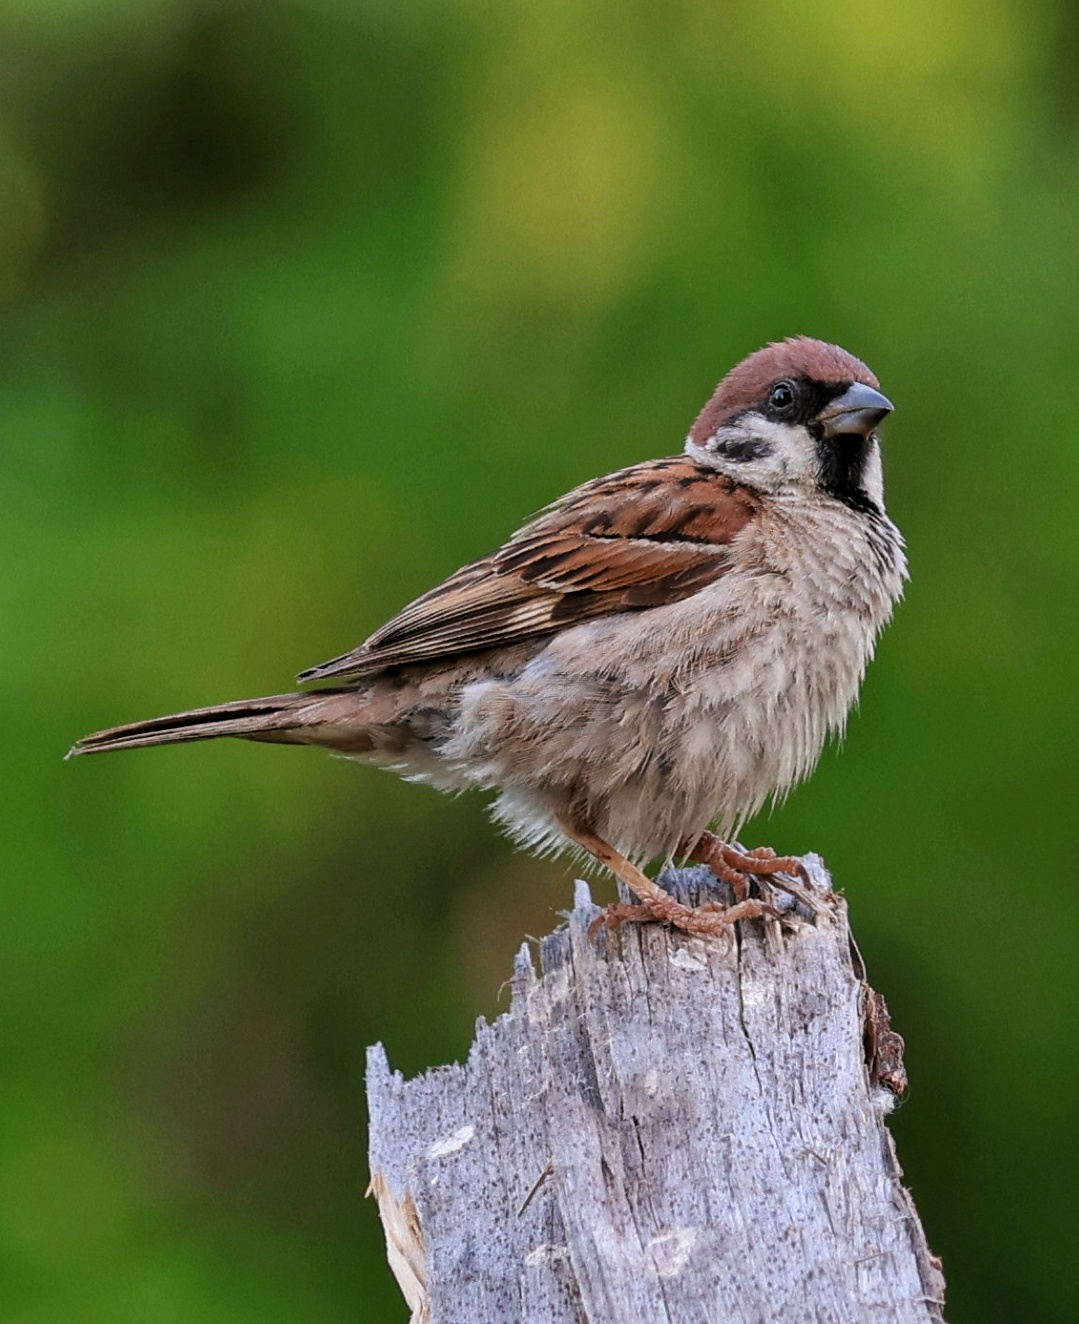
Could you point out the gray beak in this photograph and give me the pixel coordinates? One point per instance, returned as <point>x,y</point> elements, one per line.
<point>856,411</point>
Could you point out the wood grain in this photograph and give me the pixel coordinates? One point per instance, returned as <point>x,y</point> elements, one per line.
<point>660,1129</point>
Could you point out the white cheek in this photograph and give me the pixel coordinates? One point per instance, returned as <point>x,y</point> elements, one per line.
<point>790,459</point>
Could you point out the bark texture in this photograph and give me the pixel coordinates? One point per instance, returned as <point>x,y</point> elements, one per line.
<point>661,1130</point>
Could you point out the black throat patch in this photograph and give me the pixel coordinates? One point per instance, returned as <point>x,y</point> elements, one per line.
<point>843,462</point>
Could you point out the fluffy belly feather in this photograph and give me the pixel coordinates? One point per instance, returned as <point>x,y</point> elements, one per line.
<point>651,731</point>
<point>649,727</point>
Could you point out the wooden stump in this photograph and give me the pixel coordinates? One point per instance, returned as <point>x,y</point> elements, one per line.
<point>661,1130</point>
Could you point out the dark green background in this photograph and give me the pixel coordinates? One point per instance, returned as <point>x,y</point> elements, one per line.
<point>303,305</point>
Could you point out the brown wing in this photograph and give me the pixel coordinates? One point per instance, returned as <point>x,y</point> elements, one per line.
<point>642,537</point>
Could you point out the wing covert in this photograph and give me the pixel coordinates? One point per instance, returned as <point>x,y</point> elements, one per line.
<point>645,536</point>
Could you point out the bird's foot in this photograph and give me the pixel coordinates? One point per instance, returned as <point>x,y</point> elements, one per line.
<point>655,904</point>
<point>739,869</point>
<point>736,867</point>
<point>708,918</point>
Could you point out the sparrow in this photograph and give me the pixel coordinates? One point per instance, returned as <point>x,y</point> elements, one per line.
<point>647,661</point>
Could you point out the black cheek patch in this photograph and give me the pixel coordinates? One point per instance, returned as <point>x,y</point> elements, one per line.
<point>742,448</point>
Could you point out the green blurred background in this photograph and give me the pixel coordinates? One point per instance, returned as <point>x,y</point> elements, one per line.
<point>302,306</point>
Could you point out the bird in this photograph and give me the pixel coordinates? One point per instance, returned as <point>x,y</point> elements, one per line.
<point>649,660</point>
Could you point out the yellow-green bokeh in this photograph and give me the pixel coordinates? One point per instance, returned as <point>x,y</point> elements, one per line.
<point>302,306</point>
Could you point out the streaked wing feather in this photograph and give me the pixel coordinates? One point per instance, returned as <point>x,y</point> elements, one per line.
<point>649,535</point>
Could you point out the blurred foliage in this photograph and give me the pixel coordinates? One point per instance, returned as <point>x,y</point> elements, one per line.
<point>302,306</point>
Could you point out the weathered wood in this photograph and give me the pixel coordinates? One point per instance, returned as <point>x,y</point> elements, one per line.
<point>660,1130</point>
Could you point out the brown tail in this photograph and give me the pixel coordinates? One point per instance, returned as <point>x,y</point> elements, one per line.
<point>320,718</point>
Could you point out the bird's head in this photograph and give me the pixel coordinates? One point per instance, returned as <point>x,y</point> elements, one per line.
<point>797,415</point>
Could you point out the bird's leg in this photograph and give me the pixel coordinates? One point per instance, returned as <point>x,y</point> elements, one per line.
<point>655,903</point>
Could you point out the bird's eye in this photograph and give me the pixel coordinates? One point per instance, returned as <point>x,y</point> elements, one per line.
<point>781,397</point>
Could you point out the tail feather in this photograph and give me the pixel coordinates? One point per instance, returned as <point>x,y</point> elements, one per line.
<point>284,718</point>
